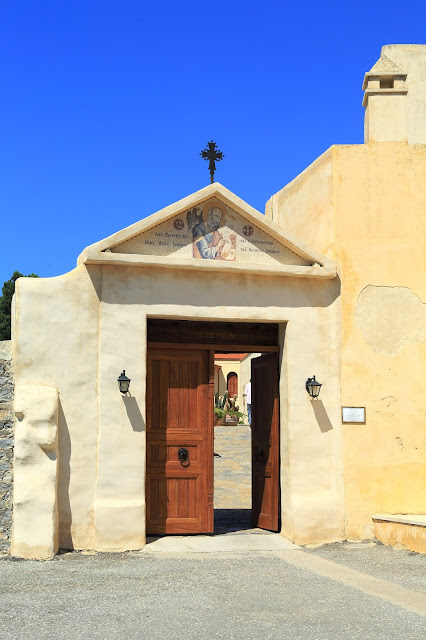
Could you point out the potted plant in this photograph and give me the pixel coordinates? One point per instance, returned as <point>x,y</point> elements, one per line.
<point>222,417</point>
<point>226,412</point>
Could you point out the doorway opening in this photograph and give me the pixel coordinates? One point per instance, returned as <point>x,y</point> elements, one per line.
<point>191,368</point>
<point>232,442</point>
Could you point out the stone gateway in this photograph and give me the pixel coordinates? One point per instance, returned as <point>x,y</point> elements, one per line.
<point>327,283</point>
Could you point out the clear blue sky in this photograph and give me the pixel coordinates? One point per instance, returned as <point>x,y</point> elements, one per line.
<point>106,105</point>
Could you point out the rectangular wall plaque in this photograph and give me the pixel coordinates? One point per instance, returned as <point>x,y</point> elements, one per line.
<point>353,415</point>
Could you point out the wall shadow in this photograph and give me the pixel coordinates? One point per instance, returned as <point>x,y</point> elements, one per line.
<point>321,416</point>
<point>299,292</point>
<point>64,473</point>
<point>134,413</point>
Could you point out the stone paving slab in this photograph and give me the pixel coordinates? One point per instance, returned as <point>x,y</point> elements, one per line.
<point>232,471</point>
<point>231,542</point>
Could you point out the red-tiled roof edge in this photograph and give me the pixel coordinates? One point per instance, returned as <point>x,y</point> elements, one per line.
<point>230,356</point>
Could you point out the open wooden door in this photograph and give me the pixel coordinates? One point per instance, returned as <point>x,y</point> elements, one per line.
<point>179,433</point>
<point>265,442</point>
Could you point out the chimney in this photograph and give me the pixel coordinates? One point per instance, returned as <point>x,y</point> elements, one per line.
<point>385,102</point>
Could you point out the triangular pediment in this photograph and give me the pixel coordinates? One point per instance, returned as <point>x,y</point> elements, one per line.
<point>210,227</point>
<point>384,66</point>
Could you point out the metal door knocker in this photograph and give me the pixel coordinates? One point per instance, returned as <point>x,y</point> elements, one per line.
<point>183,455</point>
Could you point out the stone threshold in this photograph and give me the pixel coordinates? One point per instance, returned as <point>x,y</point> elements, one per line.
<point>403,518</point>
<point>252,540</point>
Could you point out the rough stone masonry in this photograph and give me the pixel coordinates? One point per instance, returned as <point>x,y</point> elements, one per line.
<point>6,444</point>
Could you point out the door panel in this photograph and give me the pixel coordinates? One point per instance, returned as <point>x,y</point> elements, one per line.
<point>179,415</point>
<point>265,442</point>
<point>232,384</point>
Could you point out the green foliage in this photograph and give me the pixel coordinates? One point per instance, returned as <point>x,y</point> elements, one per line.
<point>221,414</point>
<point>5,303</point>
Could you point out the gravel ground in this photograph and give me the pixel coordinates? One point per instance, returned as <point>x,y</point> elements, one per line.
<point>403,567</point>
<point>205,596</point>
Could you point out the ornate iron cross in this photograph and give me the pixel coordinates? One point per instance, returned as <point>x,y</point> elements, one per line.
<point>213,155</point>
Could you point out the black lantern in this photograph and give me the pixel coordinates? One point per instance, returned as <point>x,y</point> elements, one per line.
<point>313,387</point>
<point>123,382</point>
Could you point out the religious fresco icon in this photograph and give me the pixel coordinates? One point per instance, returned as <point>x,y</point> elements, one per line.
<point>211,240</point>
<point>178,224</point>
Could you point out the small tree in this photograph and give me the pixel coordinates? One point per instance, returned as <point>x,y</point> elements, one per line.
<point>5,303</point>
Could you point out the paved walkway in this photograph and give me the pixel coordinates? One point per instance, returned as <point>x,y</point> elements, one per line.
<point>232,471</point>
<point>232,480</point>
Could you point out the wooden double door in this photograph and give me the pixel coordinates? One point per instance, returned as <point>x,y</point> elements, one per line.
<point>179,430</point>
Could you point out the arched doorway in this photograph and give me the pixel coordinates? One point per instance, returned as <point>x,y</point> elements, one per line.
<point>232,384</point>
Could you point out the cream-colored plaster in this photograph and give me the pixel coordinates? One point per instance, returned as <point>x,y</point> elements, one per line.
<point>312,311</point>
<point>385,101</point>
<point>226,366</point>
<point>56,344</point>
<point>35,516</point>
<point>376,201</point>
<point>395,533</point>
<point>385,331</point>
<point>97,314</point>
<point>128,296</point>
<point>386,117</point>
<point>245,376</point>
<point>315,204</point>
<point>412,59</point>
<point>120,485</point>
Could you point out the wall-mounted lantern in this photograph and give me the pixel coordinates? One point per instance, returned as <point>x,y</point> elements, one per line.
<point>123,382</point>
<point>313,387</point>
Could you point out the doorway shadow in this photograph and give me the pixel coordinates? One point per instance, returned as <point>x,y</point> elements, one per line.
<point>229,520</point>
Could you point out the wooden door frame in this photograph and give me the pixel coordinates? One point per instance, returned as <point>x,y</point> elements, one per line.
<point>221,348</point>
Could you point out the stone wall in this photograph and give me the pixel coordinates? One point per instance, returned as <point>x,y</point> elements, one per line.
<point>6,444</point>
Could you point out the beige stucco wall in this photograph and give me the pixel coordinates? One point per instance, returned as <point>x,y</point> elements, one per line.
<point>315,204</point>
<point>55,337</point>
<point>96,319</point>
<point>35,465</point>
<point>386,118</point>
<point>226,367</point>
<point>377,200</point>
<point>411,58</point>
<point>244,378</point>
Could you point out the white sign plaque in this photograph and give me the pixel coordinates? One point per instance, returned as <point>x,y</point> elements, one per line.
<point>353,415</point>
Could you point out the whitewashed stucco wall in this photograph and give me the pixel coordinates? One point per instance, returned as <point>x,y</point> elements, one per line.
<point>97,317</point>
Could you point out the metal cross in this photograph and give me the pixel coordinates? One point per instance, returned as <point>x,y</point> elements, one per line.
<point>213,155</point>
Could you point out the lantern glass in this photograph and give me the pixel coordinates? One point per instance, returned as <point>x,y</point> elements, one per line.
<point>123,382</point>
<point>313,387</point>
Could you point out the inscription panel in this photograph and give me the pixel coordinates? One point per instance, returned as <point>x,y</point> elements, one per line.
<point>353,415</point>
<point>211,231</point>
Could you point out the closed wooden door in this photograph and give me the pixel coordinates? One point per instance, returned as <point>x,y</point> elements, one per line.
<point>265,442</point>
<point>179,487</point>
<point>232,384</point>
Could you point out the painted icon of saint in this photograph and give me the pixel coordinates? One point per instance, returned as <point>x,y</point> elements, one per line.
<point>209,242</point>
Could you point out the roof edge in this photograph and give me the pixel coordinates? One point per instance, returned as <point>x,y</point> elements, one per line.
<point>94,256</point>
<point>216,189</point>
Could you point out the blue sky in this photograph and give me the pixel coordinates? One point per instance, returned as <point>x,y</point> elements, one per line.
<point>106,105</point>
